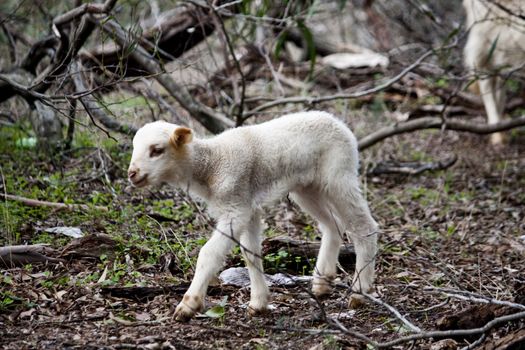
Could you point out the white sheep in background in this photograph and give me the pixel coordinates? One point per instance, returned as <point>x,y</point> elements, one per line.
<point>311,155</point>
<point>496,40</point>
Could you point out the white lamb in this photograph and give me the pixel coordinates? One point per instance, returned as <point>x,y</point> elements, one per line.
<point>311,156</point>
<point>496,41</point>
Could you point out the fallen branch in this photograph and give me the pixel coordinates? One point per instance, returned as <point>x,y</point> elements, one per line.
<point>211,120</point>
<point>173,33</point>
<point>59,206</point>
<point>474,297</point>
<point>410,168</point>
<point>83,9</point>
<point>19,255</point>
<point>453,333</point>
<point>396,313</point>
<point>438,123</point>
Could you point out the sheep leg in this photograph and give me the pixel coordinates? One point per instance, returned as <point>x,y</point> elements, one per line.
<point>209,262</point>
<point>325,271</point>
<point>251,248</point>
<point>488,89</point>
<point>352,207</point>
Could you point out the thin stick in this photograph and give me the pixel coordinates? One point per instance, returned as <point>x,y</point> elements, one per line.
<point>60,206</point>
<point>394,311</point>
<point>313,100</point>
<point>454,333</point>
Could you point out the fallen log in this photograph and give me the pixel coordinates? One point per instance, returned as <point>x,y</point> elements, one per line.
<point>20,255</point>
<point>299,254</point>
<point>143,294</point>
<point>91,246</point>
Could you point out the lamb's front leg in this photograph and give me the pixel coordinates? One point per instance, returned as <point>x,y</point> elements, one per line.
<point>209,262</point>
<point>251,250</point>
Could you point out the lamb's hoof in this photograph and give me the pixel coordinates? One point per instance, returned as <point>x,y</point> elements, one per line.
<point>356,301</point>
<point>321,289</point>
<point>184,312</point>
<point>258,312</point>
<point>497,140</point>
<point>183,316</point>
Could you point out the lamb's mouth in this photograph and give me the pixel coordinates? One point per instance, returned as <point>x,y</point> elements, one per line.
<point>141,182</point>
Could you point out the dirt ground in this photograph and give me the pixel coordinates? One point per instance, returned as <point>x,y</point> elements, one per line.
<point>453,231</point>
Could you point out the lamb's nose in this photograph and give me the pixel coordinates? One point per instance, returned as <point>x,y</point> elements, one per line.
<point>132,173</point>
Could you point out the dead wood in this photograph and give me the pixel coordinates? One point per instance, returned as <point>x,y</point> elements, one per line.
<point>472,317</point>
<point>478,316</point>
<point>438,123</point>
<point>410,168</point>
<point>19,255</point>
<point>211,120</point>
<point>513,341</point>
<point>305,250</point>
<point>58,206</point>
<point>143,294</point>
<point>179,31</point>
<point>91,246</point>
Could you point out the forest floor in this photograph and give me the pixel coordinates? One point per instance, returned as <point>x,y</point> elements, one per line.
<point>444,233</point>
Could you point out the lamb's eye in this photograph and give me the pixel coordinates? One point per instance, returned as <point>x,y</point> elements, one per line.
<point>155,151</point>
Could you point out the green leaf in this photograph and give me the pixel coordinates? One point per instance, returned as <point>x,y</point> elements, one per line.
<point>26,142</point>
<point>310,46</point>
<point>218,310</point>
<point>215,312</point>
<point>279,45</point>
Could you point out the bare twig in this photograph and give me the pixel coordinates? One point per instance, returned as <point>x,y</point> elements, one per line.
<point>314,100</point>
<point>229,44</point>
<point>59,206</point>
<point>93,108</point>
<point>213,121</point>
<point>394,311</point>
<point>82,10</point>
<point>334,322</point>
<point>453,333</point>
<point>475,297</point>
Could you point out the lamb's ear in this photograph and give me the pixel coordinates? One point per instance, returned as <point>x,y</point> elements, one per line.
<point>180,137</point>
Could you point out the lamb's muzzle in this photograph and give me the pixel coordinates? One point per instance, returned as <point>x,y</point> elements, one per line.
<point>311,156</point>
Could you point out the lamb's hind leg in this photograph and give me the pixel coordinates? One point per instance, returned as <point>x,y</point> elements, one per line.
<point>352,207</point>
<point>312,202</point>
<point>493,100</point>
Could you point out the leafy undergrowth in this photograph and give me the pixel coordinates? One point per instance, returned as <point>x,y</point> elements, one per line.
<point>460,229</point>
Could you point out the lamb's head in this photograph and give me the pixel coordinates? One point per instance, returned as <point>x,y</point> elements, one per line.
<point>160,152</point>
